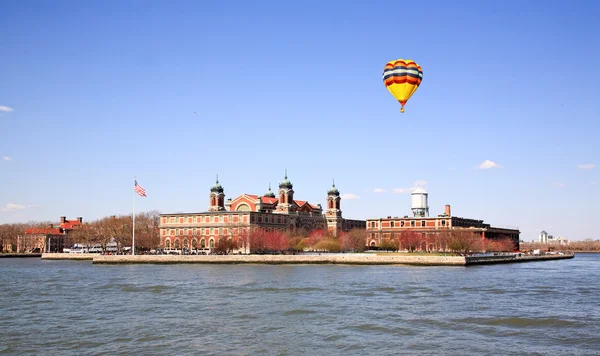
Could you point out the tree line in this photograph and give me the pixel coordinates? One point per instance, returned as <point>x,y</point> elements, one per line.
<point>257,240</point>
<point>254,239</point>
<point>585,245</point>
<point>97,232</point>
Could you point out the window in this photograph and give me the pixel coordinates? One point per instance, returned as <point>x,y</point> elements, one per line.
<point>190,220</point>
<point>443,222</point>
<point>185,243</point>
<point>391,224</point>
<point>423,223</point>
<point>202,243</point>
<point>195,244</point>
<point>412,223</point>
<point>401,223</point>
<point>177,244</point>
<point>212,243</point>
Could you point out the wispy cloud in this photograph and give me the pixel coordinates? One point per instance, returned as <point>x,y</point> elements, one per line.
<point>379,190</point>
<point>487,164</point>
<point>5,109</point>
<point>14,207</point>
<point>6,158</point>
<point>420,183</point>
<point>558,184</point>
<point>349,196</point>
<point>416,184</point>
<point>402,190</point>
<point>586,166</point>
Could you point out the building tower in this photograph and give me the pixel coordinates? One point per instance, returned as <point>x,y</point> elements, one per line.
<point>543,237</point>
<point>270,193</point>
<point>333,212</point>
<point>420,207</point>
<point>286,196</point>
<point>217,197</point>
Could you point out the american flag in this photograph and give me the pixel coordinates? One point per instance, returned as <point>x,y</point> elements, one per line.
<point>138,189</point>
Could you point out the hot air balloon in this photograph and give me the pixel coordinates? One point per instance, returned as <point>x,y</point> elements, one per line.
<point>402,77</point>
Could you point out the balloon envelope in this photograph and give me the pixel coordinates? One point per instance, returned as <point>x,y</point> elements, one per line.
<point>402,77</point>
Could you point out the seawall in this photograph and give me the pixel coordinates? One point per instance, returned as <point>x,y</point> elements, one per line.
<point>69,256</point>
<point>347,259</point>
<point>482,260</point>
<point>19,255</point>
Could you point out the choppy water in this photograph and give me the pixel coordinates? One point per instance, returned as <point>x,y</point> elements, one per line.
<point>76,308</point>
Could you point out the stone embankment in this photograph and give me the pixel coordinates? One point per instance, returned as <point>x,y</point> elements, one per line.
<point>481,260</point>
<point>68,256</point>
<point>19,255</point>
<point>347,259</point>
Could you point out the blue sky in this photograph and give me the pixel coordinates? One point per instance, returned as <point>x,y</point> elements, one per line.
<point>95,92</point>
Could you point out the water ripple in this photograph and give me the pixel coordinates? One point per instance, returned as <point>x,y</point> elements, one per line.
<point>78,308</point>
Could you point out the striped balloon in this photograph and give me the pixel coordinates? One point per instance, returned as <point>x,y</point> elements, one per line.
<point>402,78</point>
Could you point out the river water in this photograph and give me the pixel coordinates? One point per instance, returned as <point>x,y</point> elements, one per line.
<point>77,308</point>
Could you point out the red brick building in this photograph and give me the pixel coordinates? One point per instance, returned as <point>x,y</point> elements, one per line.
<point>228,219</point>
<point>392,227</point>
<point>47,239</point>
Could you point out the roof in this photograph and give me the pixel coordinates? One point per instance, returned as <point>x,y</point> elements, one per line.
<point>70,224</point>
<point>419,190</point>
<point>268,200</point>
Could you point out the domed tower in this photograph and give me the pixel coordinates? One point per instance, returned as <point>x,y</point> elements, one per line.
<point>270,193</point>
<point>217,197</point>
<point>286,196</point>
<point>333,212</point>
<point>420,207</point>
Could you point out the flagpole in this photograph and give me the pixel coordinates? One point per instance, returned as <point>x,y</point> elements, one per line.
<point>133,235</point>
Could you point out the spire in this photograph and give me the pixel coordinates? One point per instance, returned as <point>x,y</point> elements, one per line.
<point>286,182</point>
<point>333,190</point>
<point>217,188</point>
<point>270,193</point>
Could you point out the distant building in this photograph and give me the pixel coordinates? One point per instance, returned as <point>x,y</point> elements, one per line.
<point>47,239</point>
<point>544,238</point>
<point>391,228</point>
<point>228,219</point>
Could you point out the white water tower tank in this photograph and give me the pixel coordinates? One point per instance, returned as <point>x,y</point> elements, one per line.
<point>420,207</point>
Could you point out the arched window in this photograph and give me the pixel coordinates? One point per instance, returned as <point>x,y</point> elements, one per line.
<point>185,243</point>
<point>177,244</point>
<point>168,244</point>
<point>243,207</point>
<point>212,243</point>
<point>194,243</point>
<point>202,243</point>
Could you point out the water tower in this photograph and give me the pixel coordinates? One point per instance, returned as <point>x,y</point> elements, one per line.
<point>419,206</point>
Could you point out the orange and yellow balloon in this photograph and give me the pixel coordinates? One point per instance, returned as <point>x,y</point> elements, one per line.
<point>402,77</point>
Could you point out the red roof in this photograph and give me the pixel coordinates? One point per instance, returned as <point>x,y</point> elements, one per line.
<point>70,224</point>
<point>267,200</point>
<point>300,202</point>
